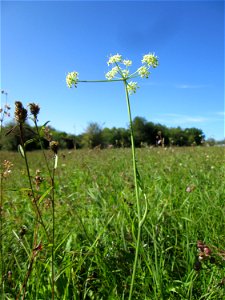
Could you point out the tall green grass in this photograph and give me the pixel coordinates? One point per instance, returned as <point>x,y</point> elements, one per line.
<point>95,227</point>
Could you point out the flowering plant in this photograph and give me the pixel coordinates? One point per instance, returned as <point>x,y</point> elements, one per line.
<point>120,72</point>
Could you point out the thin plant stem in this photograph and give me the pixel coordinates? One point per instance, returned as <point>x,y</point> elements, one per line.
<point>52,177</point>
<point>24,285</point>
<point>2,115</point>
<point>106,80</point>
<point>1,237</point>
<point>53,230</point>
<point>136,193</point>
<point>1,232</point>
<point>40,220</point>
<point>42,148</point>
<point>30,183</point>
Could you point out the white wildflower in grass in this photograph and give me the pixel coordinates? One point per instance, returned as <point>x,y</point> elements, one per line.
<point>123,75</point>
<point>114,59</point>
<point>132,87</point>
<point>111,74</point>
<point>72,79</point>
<point>127,62</point>
<point>151,60</point>
<point>143,72</point>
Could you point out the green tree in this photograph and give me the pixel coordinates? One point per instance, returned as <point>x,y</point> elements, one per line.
<point>107,137</point>
<point>178,137</point>
<point>195,136</point>
<point>92,136</point>
<point>139,127</point>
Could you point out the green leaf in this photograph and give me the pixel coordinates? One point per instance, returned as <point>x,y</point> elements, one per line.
<point>29,142</point>
<point>45,124</point>
<point>21,150</point>
<point>45,194</point>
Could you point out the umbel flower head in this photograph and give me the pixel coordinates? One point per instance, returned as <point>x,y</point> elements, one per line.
<point>114,59</point>
<point>143,72</point>
<point>72,79</point>
<point>127,62</point>
<point>151,60</point>
<point>120,71</point>
<point>111,74</point>
<point>132,87</point>
<point>20,112</point>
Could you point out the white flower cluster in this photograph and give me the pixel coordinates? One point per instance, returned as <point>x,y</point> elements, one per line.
<point>114,59</point>
<point>111,74</point>
<point>127,62</point>
<point>143,72</point>
<point>124,73</point>
<point>72,79</point>
<point>121,73</point>
<point>151,60</point>
<point>132,87</point>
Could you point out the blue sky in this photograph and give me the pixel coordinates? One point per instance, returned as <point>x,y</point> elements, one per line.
<point>41,41</point>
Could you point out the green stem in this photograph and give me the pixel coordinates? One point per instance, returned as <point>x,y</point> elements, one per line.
<point>133,148</point>
<point>105,80</point>
<point>1,215</point>
<point>30,182</point>
<point>53,228</point>
<point>136,192</point>
<point>42,148</point>
<point>1,236</point>
<point>52,176</point>
<point>2,266</point>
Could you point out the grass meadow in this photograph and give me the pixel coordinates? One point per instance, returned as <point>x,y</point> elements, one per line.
<point>182,250</point>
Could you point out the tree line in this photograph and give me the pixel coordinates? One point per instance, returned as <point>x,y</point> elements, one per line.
<point>145,134</point>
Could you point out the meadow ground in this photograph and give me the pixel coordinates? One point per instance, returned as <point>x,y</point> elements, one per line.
<point>182,252</point>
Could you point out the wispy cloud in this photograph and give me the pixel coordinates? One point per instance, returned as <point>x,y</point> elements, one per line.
<point>179,119</point>
<point>220,113</point>
<point>191,86</point>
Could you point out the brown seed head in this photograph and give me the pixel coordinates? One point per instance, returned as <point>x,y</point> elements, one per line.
<point>20,112</point>
<point>54,146</point>
<point>34,109</point>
